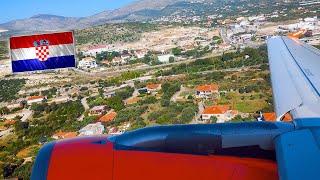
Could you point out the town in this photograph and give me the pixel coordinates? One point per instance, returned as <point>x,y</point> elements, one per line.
<point>174,70</point>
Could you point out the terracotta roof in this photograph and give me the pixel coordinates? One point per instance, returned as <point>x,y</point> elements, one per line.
<point>153,86</point>
<point>271,116</point>
<point>108,117</point>
<point>9,122</point>
<point>219,109</point>
<point>35,97</point>
<point>207,87</point>
<point>64,135</point>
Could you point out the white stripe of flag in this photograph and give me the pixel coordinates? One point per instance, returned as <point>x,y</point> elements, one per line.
<point>54,51</point>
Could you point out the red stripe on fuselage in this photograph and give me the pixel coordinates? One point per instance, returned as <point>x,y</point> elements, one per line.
<point>53,38</point>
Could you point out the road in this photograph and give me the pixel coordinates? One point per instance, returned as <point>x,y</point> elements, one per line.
<point>85,103</point>
<point>25,114</point>
<point>177,94</point>
<point>224,36</point>
<point>198,116</point>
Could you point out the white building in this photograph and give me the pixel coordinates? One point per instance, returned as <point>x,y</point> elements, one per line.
<point>140,53</point>
<point>165,58</point>
<point>207,90</point>
<point>87,63</point>
<point>221,112</point>
<point>92,130</point>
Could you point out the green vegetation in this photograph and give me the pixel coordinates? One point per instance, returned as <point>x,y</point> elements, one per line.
<point>115,102</point>
<point>10,88</point>
<point>49,93</point>
<point>49,119</point>
<point>175,113</point>
<point>169,89</point>
<point>112,33</point>
<point>227,60</point>
<point>176,51</point>
<point>216,40</point>
<point>3,50</point>
<point>107,56</point>
<point>150,59</point>
<point>118,80</point>
<point>130,114</point>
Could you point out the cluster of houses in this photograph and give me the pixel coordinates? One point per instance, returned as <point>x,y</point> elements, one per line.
<point>89,62</point>
<point>222,113</point>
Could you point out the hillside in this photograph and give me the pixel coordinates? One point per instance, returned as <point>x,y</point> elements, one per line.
<point>3,50</point>
<point>111,33</point>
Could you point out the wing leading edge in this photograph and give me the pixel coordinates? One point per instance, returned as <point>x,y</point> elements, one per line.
<point>295,77</point>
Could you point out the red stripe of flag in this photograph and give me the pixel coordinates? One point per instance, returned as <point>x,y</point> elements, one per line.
<point>53,38</point>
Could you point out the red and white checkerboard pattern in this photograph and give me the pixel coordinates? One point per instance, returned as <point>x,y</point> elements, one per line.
<point>42,53</point>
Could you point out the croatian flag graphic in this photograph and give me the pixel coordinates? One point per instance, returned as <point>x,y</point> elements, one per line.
<point>42,52</point>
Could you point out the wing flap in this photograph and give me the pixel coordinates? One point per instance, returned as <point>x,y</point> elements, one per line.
<point>285,95</point>
<point>295,76</point>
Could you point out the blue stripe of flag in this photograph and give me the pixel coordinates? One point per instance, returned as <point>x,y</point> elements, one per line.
<point>36,65</point>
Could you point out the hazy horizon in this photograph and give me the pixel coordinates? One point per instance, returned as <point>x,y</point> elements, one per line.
<point>17,9</point>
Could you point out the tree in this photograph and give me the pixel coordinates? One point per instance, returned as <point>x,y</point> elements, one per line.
<point>115,103</point>
<point>176,51</point>
<point>4,110</point>
<point>171,59</point>
<point>165,102</point>
<point>139,123</point>
<point>213,119</point>
<point>187,114</point>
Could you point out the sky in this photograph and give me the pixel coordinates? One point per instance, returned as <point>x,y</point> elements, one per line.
<point>19,9</point>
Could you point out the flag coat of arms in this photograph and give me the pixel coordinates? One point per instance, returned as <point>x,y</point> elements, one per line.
<point>42,52</point>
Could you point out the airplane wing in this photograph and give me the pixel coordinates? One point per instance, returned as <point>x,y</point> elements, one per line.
<point>295,76</point>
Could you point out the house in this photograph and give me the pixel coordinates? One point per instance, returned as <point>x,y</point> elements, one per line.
<point>140,53</point>
<point>92,129</point>
<point>221,112</point>
<point>113,131</point>
<point>87,63</point>
<point>165,58</point>
<point>108,117</point>
<point>9,122</point>
<point>35,99</point>
<point>153,88</point>
<point>61,99</point>
<point>207,90</point>
<point>109,94</point>
<point>118,61</point>
<point>97,110</point>
<point>64,135</point>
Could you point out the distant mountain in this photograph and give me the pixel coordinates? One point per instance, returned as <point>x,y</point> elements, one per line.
<point>140,10</point>
<point>136,11</point>
<point>40,22</point>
